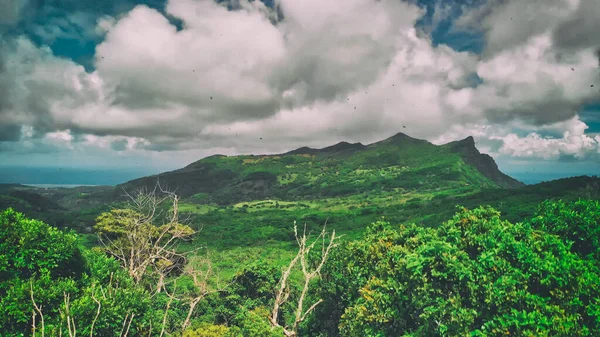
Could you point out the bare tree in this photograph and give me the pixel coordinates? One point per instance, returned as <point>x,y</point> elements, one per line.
<point>71,329</point>
<point>38,310</point>
<point>201,278</point>
<point>132,236</point>
<point>97,312</point>
<point>283,293</point>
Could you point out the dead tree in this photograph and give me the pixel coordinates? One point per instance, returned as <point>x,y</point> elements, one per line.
<point>201,278</point>
<point>283,293</point>
<point>132,236</point>
<point>38,310</point>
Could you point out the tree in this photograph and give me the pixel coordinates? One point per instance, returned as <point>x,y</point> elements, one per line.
<point>283,293</point>
<point>37,264</point>
<point>131,235</point>
<point>475,275</point>
<point>201,286</point>
<point>577,222</point>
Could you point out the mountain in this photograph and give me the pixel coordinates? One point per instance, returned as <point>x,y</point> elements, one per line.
<point>252,199</point>
<point>398,163</point>
<point>484,163</point>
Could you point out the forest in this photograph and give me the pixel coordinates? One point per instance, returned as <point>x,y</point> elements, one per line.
<point>396,238</point>
<point>474,274</point>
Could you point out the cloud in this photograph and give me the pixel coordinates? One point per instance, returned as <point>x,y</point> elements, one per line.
<point>562,141</point>
<point>213,65</point>
<point>580,29</point>
<point>511,23</point>
<point>261,79</point>
<point>12,12</point>
<point>34,81</point>
<point>535,83</point>
<point>574,147</point>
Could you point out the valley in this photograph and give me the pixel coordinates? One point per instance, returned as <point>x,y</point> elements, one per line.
<point>250,202</point>
<point>396,207</point>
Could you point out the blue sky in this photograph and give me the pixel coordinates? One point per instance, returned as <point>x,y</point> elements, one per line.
<point>154,85</point>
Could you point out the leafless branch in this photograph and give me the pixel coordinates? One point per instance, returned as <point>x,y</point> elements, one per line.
<point>283,293</point>
<point>123,327</point>
<point>202,286</point>
<point>143,246</point>
<point>97,313</point>
<point>72,330</point>
<point>164,322</point>
<point>129,324</point>
<point>39,311</point>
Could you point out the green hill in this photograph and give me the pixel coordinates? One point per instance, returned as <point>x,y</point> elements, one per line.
<point>252,199</point>
<point>399,163</point>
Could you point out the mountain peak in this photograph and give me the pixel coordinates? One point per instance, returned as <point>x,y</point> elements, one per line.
<point>482,162</point>
<point>465,146</point>
<point>400,138</point>
<point>469,140</point>
<point>342,146</point>
<point>332,171</point>
<point>337,148</point>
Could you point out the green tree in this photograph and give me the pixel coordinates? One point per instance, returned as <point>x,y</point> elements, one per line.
<point>35,260</point>
<point>577,222</point>
<point>50,285</point>
<point>132,237</point>
<point>475,275</point>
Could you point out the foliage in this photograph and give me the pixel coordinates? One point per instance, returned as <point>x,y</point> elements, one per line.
<point>43,265</point>
<point>578,222</point>
<point>208,330</point>
<point>475,275</point>
<point>131,236</point>
<point>254,323</point>
<point>34,256</point>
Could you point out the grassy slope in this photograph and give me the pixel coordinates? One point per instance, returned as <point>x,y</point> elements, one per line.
<point>399,163</point>
<point>245,206</point>
<point>263,228</point>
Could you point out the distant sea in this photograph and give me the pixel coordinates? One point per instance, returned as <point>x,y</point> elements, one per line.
<point>56,185</point>
<point>531,178</point>
<point>69,177</point>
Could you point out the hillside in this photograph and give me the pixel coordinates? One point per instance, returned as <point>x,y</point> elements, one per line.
<point>58,206</point>
<point>255,198</point>
<point>398,163</point>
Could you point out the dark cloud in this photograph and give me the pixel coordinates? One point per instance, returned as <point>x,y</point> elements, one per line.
<point>544,112</point>
<point>582,29</point>
<point>10,133</point>
<point>15,12</point>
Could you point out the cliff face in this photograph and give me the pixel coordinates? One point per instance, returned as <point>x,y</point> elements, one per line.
<point>484,163</point>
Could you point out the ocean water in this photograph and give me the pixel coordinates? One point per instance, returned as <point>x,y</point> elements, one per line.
<point>531,178</point>
<point>56,185</point>
<point>69,177</point>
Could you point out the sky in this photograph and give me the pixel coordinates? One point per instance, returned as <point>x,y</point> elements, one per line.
<point>155,85</point>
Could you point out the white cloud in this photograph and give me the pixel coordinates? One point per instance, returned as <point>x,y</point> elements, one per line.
<point>525,142</point>
<point>511,23</point>
<point>355,70</point>
<point>534,146</point>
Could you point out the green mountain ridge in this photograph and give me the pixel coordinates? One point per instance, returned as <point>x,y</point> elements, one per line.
<point>349,184</point>
<point>398,162</point>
